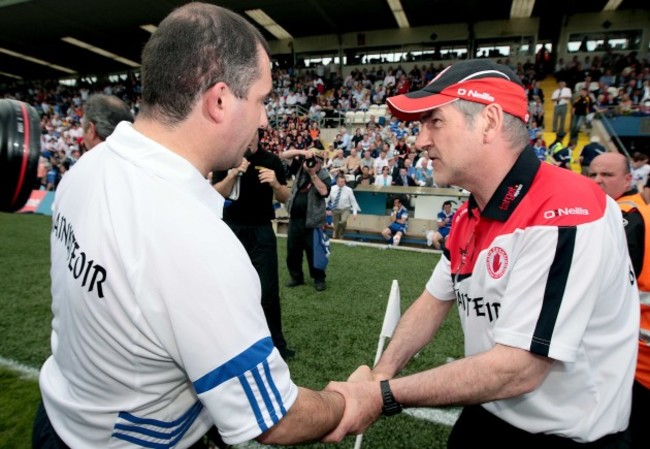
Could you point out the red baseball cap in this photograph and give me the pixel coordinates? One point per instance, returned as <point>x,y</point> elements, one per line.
<point>477,80</point>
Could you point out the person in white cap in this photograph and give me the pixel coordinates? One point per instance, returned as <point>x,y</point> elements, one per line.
<point>541,280</point>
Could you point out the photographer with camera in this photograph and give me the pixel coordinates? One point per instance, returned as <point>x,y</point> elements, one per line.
<point>307,212</point>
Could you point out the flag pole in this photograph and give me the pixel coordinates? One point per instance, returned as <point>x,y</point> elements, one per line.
<point>391,317</point>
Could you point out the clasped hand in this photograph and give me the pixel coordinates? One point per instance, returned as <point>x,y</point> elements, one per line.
<point>363,404</point>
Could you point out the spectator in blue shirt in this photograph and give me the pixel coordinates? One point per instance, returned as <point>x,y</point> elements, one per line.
<point>445,216</point>
<point>394,232</point>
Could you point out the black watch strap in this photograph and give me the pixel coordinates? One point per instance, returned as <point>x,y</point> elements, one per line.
<point>391,406</point>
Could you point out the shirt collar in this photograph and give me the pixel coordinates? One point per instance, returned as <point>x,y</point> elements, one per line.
<point>632,191</point>
<point>512,189</point>
<point>153,158</point>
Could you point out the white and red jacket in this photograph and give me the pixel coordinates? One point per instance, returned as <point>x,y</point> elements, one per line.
<point>545,268</point>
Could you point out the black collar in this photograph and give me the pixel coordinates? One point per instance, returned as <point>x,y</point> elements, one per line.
<point>512,189</point>
<point>632,191</point>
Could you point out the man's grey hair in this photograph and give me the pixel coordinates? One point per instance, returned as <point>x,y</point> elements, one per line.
<point>105,112</point>
<point>516,131</point>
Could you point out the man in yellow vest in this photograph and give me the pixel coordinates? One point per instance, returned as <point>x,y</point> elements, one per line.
<point>612,172</point>
<point>560,155</point>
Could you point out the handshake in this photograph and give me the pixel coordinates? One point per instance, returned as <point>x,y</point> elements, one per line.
<point>340,409</point>
<point>363,403</point>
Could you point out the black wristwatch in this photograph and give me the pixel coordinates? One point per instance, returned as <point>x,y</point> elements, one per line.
<point>391,406</point>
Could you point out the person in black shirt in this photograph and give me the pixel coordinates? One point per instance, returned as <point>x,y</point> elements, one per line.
<point>251,188</point>
<point>582,106</point>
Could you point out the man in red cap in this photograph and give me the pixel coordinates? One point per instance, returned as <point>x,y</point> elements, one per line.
<point>541,280</point>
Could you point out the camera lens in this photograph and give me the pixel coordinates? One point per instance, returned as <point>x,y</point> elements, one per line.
<point>20,133</point>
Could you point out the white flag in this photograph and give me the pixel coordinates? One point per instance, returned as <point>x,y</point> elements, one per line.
<point>391,317</point>
<point>393,311</point>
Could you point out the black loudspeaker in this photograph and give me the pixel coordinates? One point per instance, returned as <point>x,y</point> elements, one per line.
<point>20,134</point>
<point>607,24</point>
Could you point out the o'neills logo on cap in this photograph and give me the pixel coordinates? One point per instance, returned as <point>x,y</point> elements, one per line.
<point>474,94</point>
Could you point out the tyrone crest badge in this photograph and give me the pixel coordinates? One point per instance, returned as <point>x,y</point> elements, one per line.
<point>497,262</point>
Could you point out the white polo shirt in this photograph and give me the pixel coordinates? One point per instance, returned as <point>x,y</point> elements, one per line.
<point>545,268</point>
<point>158,331</point>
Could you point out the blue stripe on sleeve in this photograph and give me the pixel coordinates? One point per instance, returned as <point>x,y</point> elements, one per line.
<point>253,402</point>
<point>273,387</point>
<point>236,366</point>
<point>265,396</point>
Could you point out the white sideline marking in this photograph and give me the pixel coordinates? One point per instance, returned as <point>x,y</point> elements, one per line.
<point>26,372</point>
<point>353,243</point>
<point>447,417</point>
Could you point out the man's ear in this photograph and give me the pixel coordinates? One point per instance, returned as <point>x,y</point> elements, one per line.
<point>216,101</point>
<point>493,115</point>
<point>91,130</point>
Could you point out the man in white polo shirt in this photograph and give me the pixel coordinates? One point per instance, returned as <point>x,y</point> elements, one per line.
<point>561,98</point>
<point>158,334</point>
<point>541,280</point>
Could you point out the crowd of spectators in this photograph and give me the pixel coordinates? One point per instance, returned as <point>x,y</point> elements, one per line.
<point>616,84</point>
<point>305,100</point>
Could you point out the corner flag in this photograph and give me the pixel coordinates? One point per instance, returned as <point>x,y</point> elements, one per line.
<point>391,318</point>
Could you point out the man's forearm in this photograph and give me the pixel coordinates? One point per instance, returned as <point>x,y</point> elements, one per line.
<point>319,184</point>
<point>224,187</point>
<point>282,193</point>
<point>313,415</point>
<point>292,152</point>
<point>500,373</point>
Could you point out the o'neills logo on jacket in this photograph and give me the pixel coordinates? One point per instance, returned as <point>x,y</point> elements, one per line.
<point>511,194</point>
<point>565,211</point>
<point>474,94</point>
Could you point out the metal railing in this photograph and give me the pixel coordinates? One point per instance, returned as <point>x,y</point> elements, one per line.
<point>323,120</point>
<point>607,124</point>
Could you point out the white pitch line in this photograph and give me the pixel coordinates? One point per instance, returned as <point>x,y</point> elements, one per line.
<point>447,417</point>
<point>353,243</point>
<point>26,372</point>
